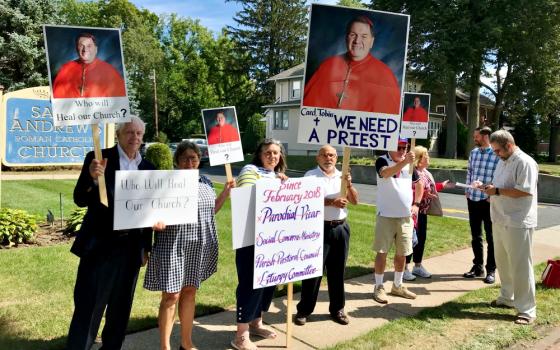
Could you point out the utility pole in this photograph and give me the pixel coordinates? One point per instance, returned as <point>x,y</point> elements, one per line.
<point>155,104</point>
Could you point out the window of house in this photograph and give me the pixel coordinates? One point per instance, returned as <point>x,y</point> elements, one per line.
<point>434,127</point>
<point>281,120</point>
<point>440,109</point>
<point>296,89</point>
<point>412,87</point>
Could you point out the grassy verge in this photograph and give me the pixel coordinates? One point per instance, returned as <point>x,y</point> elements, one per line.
<point>464,323</point>
<point>36,295</point>
<point>36,196</point>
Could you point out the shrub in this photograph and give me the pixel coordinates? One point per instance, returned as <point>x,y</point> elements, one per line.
<point>16,226</point>
<point>74,222</point>
<point>160,156</point>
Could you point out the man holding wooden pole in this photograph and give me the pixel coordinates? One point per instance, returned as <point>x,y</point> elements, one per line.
<point>336,240</point>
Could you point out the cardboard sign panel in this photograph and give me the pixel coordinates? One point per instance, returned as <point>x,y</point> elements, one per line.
<point>243,216</point>
<point>354,78</point>
<point>288,230</point>
<point>87,75</point>
<point>144,197</point>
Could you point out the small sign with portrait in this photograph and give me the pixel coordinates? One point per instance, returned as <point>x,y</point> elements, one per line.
<point>416,115</point>
<point>222,135</point>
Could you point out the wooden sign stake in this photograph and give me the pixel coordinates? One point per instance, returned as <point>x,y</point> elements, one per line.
<point>345,169</point>
<point>412,145</point>
<point>229,175</point>
<point>289,312</point>
<point>99,156</point>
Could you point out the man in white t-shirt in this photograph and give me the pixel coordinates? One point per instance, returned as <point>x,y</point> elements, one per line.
<point>394,222</point>
<point>513,207</point>
<point>336,240</point>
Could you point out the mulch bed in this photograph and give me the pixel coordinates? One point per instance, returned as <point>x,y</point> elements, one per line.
<point>46,235</point>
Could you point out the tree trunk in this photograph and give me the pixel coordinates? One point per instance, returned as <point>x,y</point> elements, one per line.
<point>474,103</point>
<point>553,141</point>
<point>497,111</point>
<point>451,109</point>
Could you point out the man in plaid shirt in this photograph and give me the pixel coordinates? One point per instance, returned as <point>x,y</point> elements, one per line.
<point>481,166</point>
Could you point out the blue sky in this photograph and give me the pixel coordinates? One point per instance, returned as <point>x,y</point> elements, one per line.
<point>213,14</point>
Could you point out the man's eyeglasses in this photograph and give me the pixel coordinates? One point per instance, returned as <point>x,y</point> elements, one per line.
<point>401,148</point>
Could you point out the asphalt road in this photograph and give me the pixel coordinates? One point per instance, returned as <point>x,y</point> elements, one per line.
<point>453,205</point>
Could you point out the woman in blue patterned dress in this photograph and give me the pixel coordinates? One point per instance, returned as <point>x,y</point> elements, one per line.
<point>185,255</point>
<point>269,161</point>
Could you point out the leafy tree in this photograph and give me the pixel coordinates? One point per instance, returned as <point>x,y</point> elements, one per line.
<point>351,3</point>
<point>255,131</point>
<point>273,33</point>
<point>438,52</point>
<point>22,59</point>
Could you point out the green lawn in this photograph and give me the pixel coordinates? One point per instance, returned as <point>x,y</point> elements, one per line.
<point>464,323</point>
<point>36,196</point>
<point>36,294</point>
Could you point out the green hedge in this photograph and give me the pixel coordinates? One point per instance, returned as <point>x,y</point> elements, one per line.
<point>160,156</point>
<point>16,226</point>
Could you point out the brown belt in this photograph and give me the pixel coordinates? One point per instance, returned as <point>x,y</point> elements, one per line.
<point>334,223</point>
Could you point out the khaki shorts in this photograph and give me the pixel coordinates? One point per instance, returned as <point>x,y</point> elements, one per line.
<point>393,230</point>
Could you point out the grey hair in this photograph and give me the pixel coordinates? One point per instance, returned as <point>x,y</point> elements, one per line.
<point>133,120</point>
<point>502,137</point>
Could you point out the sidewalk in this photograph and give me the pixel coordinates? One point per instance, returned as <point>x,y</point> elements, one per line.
<point>216,331</point>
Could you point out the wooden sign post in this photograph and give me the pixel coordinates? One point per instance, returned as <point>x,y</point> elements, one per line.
<point>289,312</point>
<point>412,145</point>
<point>229,175</point>
<point>345,169</point>
<point>97,151</point>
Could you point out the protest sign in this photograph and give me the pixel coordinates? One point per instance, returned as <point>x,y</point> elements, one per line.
<point>415,118</point>
<point>222,134</point>
<point>87,75</point>
<point>353,88</point>
<point>242,216</point>
<point>144,197</point>
<point>288,230</point>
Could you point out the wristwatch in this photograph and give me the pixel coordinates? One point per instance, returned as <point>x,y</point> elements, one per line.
<point>416,204</point>
<point>497,191</point>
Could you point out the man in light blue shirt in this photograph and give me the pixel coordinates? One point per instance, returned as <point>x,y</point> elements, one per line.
<point>481,166</point>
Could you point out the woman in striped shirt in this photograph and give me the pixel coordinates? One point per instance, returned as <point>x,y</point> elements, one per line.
<point>269,161</point>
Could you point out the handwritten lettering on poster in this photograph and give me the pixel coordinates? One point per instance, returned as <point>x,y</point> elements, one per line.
<point>288,231</point>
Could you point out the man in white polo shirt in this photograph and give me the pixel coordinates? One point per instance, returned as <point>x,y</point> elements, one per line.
<point>394,222</point>
<point>513,207</point>
<point>336,240</point>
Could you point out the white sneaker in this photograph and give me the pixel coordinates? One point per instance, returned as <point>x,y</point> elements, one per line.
<point>407,276</point>
<point>421,272</point>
